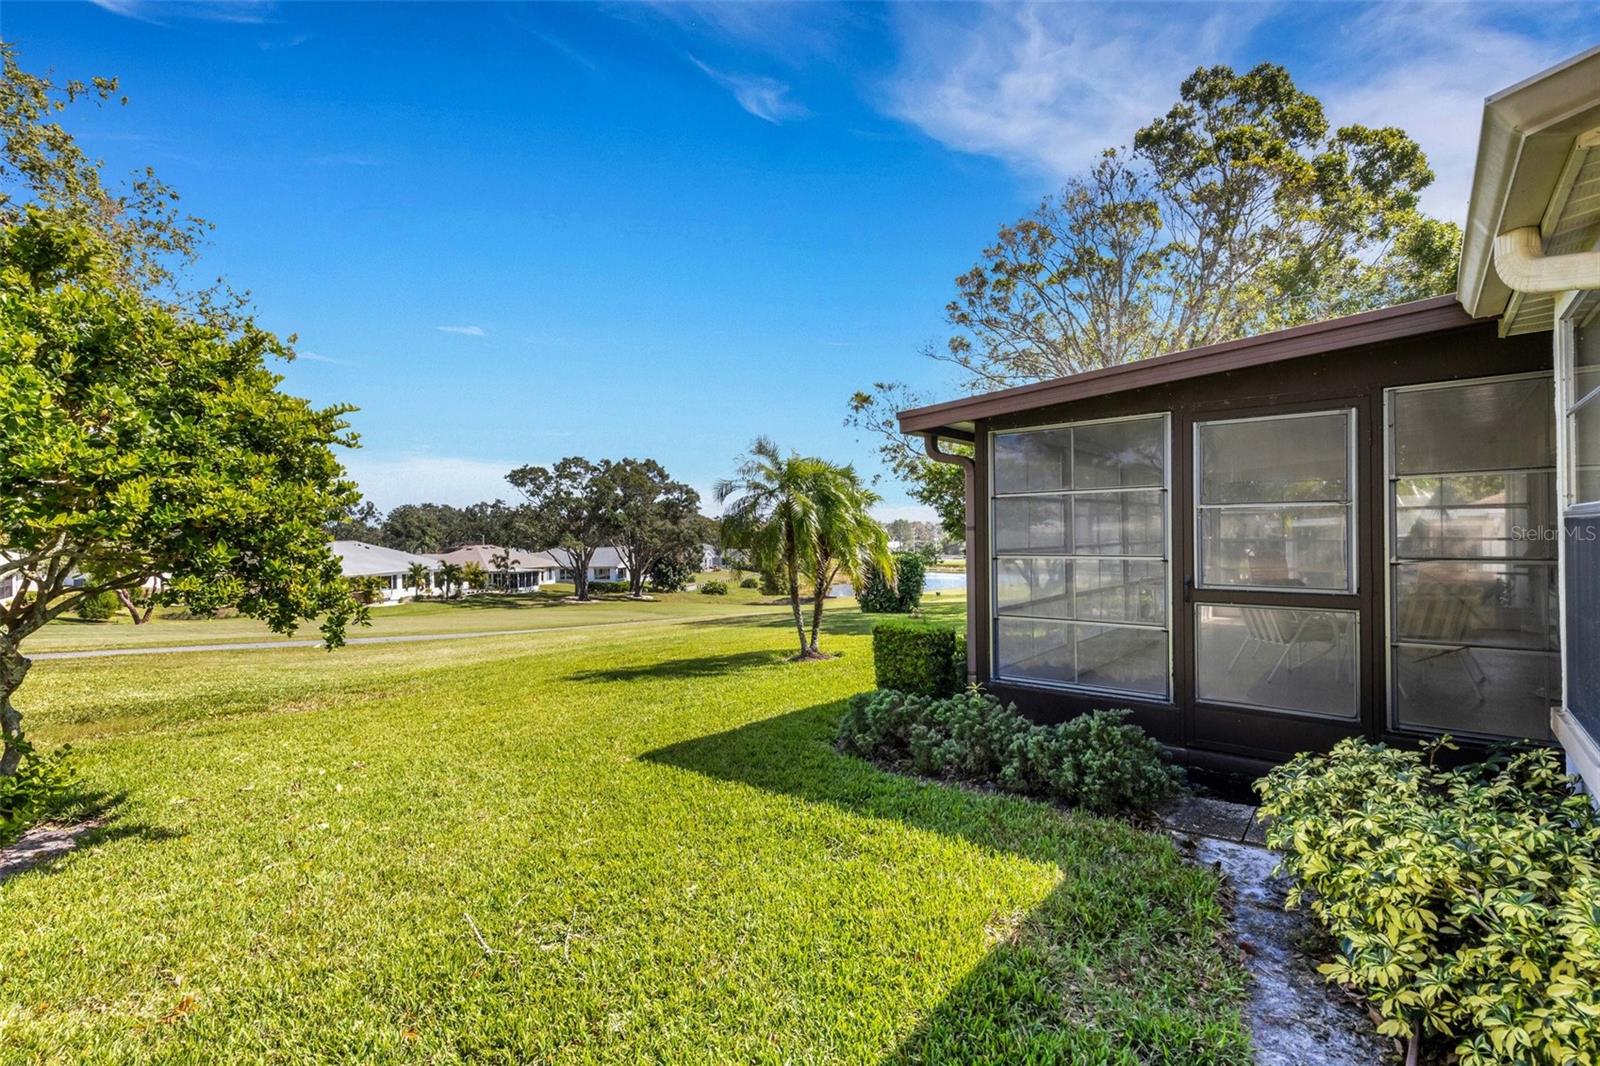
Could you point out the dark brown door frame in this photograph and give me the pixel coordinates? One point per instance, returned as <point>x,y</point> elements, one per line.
<point>1249,731</point>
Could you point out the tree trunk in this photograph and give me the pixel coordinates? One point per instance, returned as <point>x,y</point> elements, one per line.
<point>13,668</point>
<point>139,617</point>
<point>824,583</point>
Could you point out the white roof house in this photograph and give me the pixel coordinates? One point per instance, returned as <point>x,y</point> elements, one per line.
<point>357,558</point>
<point>605,565</point>
<point>527,571</point>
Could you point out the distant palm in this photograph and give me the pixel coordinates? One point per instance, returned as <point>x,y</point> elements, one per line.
<point>450,576</point>
<point>417,576</point>
<point>502,562</point>
<point>805,518</point>
<point>847,538</point>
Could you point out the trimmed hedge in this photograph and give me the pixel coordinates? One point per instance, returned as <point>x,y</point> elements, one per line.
<point>1096,761</point>
<point>713,587</point>
<point>911,655</point>
<point>904,596</point>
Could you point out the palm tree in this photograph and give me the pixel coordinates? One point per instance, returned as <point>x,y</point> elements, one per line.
<point>450,575</point>
<point>417,577</point>
<point>848,538</point>
<point>502,562</point>
<point>476,577</point>
<point>774,517</point>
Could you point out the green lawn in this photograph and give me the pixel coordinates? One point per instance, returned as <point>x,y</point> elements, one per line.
<point>649,828</point>
<point>471,614</point>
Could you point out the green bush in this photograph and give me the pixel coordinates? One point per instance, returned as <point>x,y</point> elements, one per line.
<point>1465,903</point>
<point>673,572</point>
<point>750,583</point>
<point>911,655</point>
<point>713,587</point>
<point>610,586</point>
<point>770,585</point>
<point>98,607</point>
<point>1097,761</point>
<point>903,597</point>
<point>39,785</point>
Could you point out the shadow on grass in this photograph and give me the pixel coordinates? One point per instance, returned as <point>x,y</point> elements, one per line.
<point>703,666</point>
<point>1119,964</point>
<point>81,820</point>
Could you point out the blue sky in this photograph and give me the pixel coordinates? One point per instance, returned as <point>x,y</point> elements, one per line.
<point>515,232</point>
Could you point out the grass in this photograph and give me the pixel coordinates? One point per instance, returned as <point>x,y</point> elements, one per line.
<point>647,827</point>
<point>483,613</point>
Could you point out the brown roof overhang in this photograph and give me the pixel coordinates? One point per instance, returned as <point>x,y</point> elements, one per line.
<point>1434,315</point>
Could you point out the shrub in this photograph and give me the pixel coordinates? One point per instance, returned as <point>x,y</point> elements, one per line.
<point>770,585</point>
<point>672,573</point>
<point>1097,761</point>
<point>910,655</point>
<point>609,586</point>
<point>750,583</point>
<point>879,597</point>
<point>713,587</point>
<point>366,589</point>
<point>39,785</point>
<point>1465,903</point>
<point>97,608</point>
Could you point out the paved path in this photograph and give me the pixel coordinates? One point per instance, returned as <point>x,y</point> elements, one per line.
<point>406,638</point>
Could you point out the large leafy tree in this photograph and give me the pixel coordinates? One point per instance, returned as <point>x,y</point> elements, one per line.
<point>655,515</point>
<point>139,444</point>
<point>576,504</point>
<point>144,442</point>
<point>1240,210</point>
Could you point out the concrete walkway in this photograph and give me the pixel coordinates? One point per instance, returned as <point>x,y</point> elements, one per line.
<point>406,638</point>
<point>1295,1016</point>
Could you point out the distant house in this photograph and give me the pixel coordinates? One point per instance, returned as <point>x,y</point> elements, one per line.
<point>527,571</point>
<point>710,557</point>
<point>605,565</point>
<point>357,558</point>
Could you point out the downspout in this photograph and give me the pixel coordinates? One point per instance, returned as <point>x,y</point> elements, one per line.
<point>930,444</point>
<point>1520,261</point>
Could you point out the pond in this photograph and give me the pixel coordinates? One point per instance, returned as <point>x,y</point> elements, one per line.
<point>934,582</point>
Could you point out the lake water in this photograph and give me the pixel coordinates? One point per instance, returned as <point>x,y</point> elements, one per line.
<point>933,582</point>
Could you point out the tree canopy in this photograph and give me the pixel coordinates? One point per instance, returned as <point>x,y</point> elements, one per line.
<point>144,441</point>
<point>1239,211</point>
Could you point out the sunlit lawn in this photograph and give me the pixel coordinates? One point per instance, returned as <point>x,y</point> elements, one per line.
<point>483,613</point>
<point>664,857</point>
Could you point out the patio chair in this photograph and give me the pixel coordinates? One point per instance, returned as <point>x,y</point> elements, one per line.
<point>1445,613</point>
<point>1267,628</point>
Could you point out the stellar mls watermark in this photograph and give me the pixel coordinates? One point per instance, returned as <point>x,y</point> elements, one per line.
<point>1582,534</point>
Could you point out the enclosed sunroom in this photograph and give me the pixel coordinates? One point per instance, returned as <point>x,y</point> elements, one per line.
<point>1351,528</point>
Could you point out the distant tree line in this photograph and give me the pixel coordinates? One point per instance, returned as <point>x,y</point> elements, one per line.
<point>577,505</point>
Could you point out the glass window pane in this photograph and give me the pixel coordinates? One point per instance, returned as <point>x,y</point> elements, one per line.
<point>1295,546</point>
<point>1586,449</point>
<point>1034,651</point>
<point>1038,461</point>
<point>1506,605</point>
<point>1038,587</point>
<point>1476,516</point>
<point>1279,658</point>
<point>1119,454</point>
<point>1490,425</point>
<point>1120,523</point>
<point>1121,590</point>
<point>1476,690</point>
<point>1276,460</point>
<point>1032,524</point>
<point>1125,658</point>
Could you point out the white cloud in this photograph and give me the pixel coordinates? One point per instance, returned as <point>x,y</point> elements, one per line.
<point>389,480</point>
<point>465,331</point>
<point>315,357</point>
<point>1048,88</point>
<point>765,98</point>
<point>253,12</point>
<point>1427,70</point>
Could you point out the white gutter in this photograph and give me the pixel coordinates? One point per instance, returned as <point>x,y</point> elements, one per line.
<point>1520,261</point>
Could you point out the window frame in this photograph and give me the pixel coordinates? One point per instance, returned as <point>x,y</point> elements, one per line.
<point>1584,312</point>
<point>1352,503</point>
<point>1386,606</point>
<point>1169,698</point>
